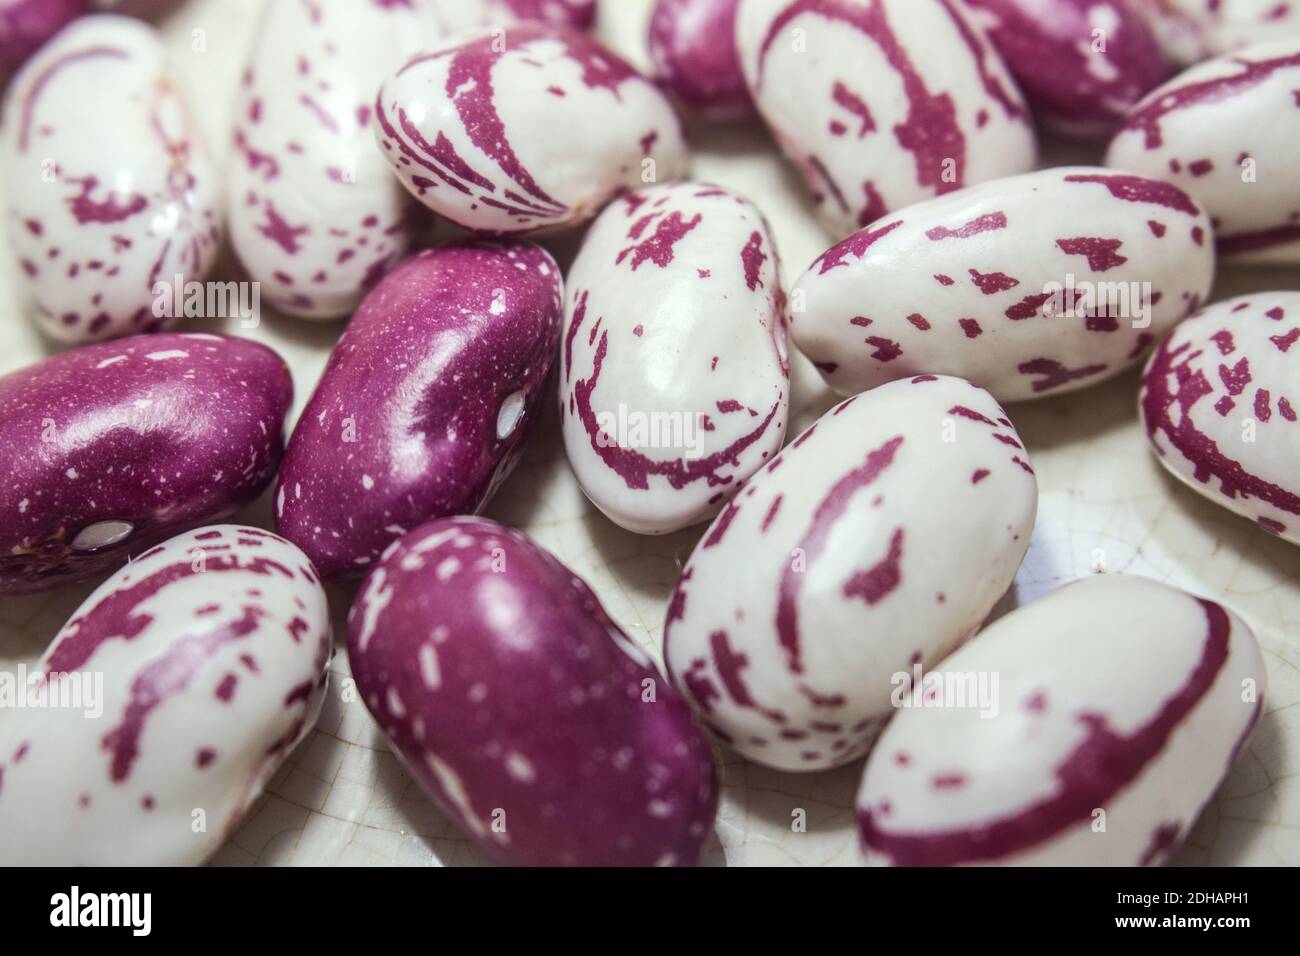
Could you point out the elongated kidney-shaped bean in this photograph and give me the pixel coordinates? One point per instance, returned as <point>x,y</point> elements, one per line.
<point>877,540</point>
<point>425,402</point>
<point>472,16</point>
<point>882,103</point>
<point>26,24</point>
<point>693,46</point>
<point>525,129</point>
<point>1226,131</point>
<point>674,385</point>
<point>110,192</point>
<point>113,446</point>
<point>165,704</point>
<point>1081,63</point>
<point>1192,30</point>
<point>1220,398</point>
<point>317,216</point>
<point>1028,286</point>
<point>524,711</point>
<point>1086,729</point>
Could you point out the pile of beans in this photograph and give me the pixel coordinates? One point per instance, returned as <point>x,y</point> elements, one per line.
<point>957,275</point>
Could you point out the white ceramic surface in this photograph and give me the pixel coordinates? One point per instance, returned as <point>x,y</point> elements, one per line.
<point>1105,504</point>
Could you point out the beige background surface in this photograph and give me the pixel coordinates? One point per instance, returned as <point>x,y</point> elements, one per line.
<point>1105,506</point>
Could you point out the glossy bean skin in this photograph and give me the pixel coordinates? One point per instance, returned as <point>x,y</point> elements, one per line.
<point>110,192</point>
<point>316,215</point>
<point>523,710</point>
<point>693,46</point>
<point>529,129</point>
<point>425,401</point>
<point>26,24</point>
<point>1225,131</point>
<point>1080,63</point>
<point>117,445</point>
<point>181,685</point>
<point>882,103</point>
<point>1119,705</point>
<point>1219,400</point>
<point>471,16</point>
<point>1029,286</point>
<point>877,540</point>
<point>1193,30</point>
<point>674,384</point>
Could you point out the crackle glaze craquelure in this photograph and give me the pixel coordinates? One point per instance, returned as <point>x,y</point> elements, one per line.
<point>113,446</point>
<point>200,666</point>
<point>110,192</point>
<point>1071,760</point>
<point>523,709</point>
<point>425,402</point>
<point>674,378</point>
<point>882,103</point>
<point>845,562</point>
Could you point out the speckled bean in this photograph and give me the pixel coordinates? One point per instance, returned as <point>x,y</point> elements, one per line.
<point>425,402</point>
<point>109,190</point>
<point>1080,63</point>
<point>674,383</point>
<point>532,720</point>
<point>1117,706</point>
<point>1192,30</point>
<point>471,16</point>
<point>111,447</point>
<point>316,215</point>
<point>876,541</point>
<point>171,696</point>
<point>26,24</point>
<point>693,47</point>
<point>525,129</point>
<point>1217,400</point>
<point>1226,131</point>
<point>1028,286</point>
<point>882,103</point>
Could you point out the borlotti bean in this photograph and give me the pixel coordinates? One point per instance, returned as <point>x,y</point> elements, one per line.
<point>876,542</point>
<point>1086,729</point>
<point>1080,63</point>
<point>524,129</point>
<point>1029,286</point>
<point>26,24</point>
<point>1220,398</point>
<point>111,447</point>
<point>165,704</point>
<point>466,16</point>
<point>882,103</point>
<point>111,195</point>
<point>675,383</point>
<point>425,403</point>
<point>530,718</point>
<point>693,46</point>
<point>316,215</point>
<point>1226,131</point>
<point>1192,30</point>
